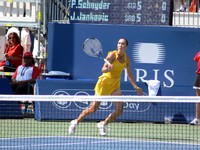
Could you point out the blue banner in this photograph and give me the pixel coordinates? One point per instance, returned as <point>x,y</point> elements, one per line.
<point>133,111</point>
<point>156,53</point>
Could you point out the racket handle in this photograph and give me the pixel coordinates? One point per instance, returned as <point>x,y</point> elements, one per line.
<point>106,61</point>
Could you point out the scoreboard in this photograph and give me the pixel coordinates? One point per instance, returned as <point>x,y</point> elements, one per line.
<point>131,12</point>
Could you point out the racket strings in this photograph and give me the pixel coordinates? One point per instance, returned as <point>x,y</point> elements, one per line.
<point>93,48</point>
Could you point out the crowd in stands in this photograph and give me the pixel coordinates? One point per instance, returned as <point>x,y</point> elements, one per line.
<point>187,6</point>
<point>18,58</point>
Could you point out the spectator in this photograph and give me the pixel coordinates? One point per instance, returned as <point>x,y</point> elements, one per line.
<point>26,40</point>
<point>25,75</point>
<point>182,7</point>
<point>24,36</point>
<point>23,78</point>
<point>193,6</point>
<point>12,29</point>
<point>13,53</point>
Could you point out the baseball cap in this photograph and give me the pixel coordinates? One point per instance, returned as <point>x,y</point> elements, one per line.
<point>28,54</point>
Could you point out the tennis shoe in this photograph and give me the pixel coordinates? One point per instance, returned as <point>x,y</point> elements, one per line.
<point>72,127</point>
<point>195,122</point>
<point>102,128</point>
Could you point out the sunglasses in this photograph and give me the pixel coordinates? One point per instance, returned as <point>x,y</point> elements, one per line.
<point>27,57</point>
<point>11,38</point>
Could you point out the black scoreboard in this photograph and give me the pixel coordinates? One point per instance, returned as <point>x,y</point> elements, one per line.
<point>132,12</point>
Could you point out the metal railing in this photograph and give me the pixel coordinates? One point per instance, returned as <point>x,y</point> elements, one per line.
<point>183,16</point>
<point>20,13</point>
<point>186,19</point>
<point>58,11</point>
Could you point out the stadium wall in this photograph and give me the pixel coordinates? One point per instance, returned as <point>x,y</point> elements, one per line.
<point>133,111</point>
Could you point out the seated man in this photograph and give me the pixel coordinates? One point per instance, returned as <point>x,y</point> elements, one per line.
<point>24,76</point>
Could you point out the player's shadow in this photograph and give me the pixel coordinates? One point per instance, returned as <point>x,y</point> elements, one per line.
<point>179,118</point>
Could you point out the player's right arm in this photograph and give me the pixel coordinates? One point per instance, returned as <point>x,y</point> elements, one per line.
<point>108,67</point>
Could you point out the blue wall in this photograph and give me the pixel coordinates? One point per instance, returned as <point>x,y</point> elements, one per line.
<point>163,53</point>
<point>8,109</point>
<point>133,111</point>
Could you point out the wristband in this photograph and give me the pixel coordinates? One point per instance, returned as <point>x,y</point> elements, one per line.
<point>136,88</point>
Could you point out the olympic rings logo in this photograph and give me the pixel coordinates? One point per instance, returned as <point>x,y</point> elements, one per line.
<point>128,106</point>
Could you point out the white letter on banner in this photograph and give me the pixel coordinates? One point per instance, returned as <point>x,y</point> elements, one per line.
<point>138,77</point>
<point>155,74</point>
<point>169,78</point>
<point>125,75</point>
<point>73,3</point>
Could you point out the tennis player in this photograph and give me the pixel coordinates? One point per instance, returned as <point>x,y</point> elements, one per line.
<point>196,86</point>
<point>109,84</point>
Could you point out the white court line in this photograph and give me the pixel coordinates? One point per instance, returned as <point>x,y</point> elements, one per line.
<point>108,140</point>
<point>62,144</point>
<point>58,144</point>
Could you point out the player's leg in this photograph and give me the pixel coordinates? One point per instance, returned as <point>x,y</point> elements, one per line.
<point>73,124</point>
<point>93,107</point>
<point>113,116</point>
<point>118,109</point>
<point>198,105</point>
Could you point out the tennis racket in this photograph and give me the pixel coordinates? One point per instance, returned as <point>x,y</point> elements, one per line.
<point>92,47</point>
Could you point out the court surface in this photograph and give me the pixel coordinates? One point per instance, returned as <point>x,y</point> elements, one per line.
<point>29,134</point>
<point>72,143</point>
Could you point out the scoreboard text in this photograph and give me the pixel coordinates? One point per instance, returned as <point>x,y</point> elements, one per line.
<point>135,12</point>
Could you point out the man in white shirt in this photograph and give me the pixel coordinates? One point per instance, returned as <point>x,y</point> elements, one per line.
<point>25,75</point>
<point>26,39</point>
